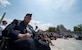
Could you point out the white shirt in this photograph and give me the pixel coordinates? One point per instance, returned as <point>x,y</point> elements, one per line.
<point>2,27</point>
<point>28,30</point>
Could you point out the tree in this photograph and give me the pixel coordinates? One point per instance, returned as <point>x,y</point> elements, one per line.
<point>78,27</point>
<point>69,30</point>
<point>51,29</point>
<point>57,29</point>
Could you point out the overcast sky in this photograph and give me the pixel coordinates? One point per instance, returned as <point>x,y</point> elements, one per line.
<point>45,12</point>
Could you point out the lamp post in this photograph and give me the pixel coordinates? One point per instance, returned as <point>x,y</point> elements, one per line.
<point>2,17</point>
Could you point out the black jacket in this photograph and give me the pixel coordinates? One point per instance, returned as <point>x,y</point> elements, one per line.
<point>16,27</point>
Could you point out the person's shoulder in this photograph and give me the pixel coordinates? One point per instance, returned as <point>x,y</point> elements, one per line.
<point>30,25</point>
<point>0,24</point>
<point>16,21</point>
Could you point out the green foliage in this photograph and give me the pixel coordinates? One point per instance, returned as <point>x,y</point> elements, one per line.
<point>78,28</point>
<point>51,29</point>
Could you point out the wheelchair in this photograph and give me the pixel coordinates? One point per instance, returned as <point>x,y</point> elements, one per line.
<point>5,44</point>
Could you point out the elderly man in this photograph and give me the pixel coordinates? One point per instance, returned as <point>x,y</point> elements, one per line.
<point>22,35</point>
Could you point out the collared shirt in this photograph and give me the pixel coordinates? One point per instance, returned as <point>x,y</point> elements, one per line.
<point>28,29</point>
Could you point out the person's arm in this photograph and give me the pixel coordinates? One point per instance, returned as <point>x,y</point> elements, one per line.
<point>1,29</point>
<point>35,35</point>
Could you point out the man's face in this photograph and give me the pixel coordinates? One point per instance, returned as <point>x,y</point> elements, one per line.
<point>27,19</point>
<point>4,23</point>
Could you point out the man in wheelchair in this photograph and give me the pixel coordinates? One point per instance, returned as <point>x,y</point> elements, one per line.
<point>22,36</point>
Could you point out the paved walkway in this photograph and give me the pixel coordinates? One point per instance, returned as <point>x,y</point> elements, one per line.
<point>67,44</point>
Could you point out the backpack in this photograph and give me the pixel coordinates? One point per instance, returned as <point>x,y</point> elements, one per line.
<point>6,31</point>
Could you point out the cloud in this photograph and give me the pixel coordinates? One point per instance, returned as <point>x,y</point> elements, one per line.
<point>57,4</point>
<point>63,4</point>
<point>44,26</point>
<point>41,25</point>
<point>4,3</point>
